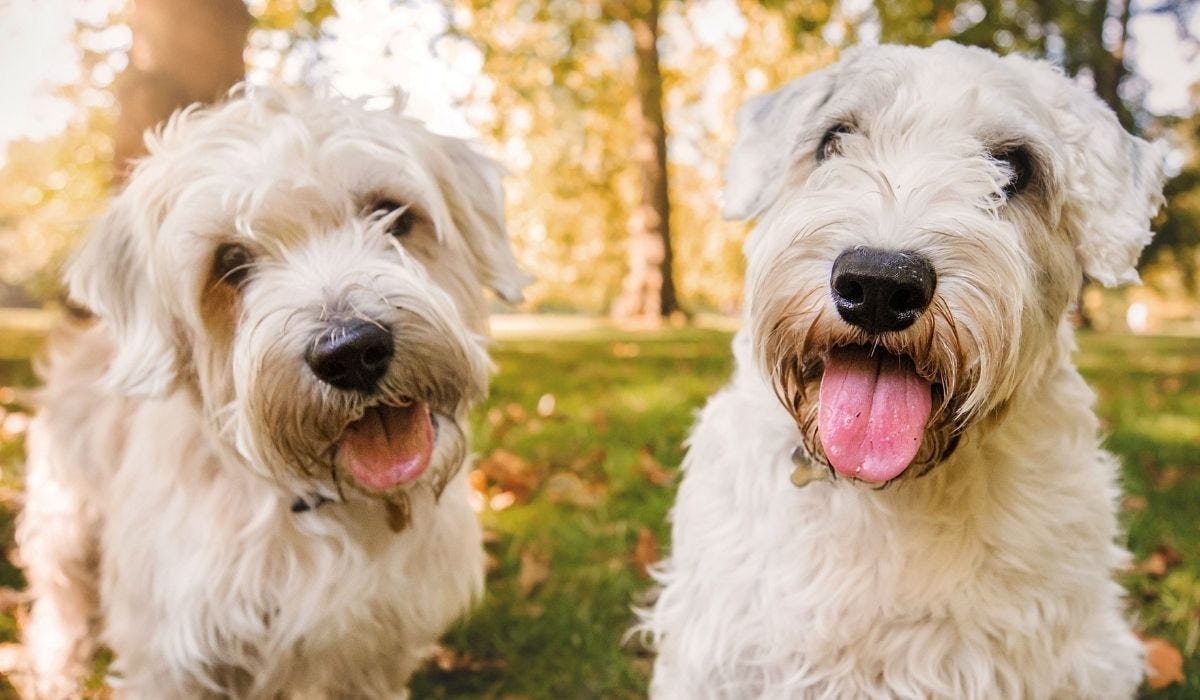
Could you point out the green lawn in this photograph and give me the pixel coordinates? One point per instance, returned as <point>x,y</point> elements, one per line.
<point>579,447</point>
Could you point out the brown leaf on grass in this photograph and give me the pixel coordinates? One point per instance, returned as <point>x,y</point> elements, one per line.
<point>589,460</point>
<point>449,660</point>
<point>478,480</point>
<point>645,552</point>
<point>508,472</point>
<point>535,569</point>
<point>566,487</point>
<point>1154,565</point>
<point>1134,504</point>
<point>1164,663</point>
<point>1168,478</point>
<point>516,413</point>
<point>1160,561</point>
<point>625,351</point>
<point>490,563</point>
<point>652,469</point>
<point>600,419</point>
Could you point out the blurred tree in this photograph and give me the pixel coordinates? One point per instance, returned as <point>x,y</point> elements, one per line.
<point>591,185</point>
<point>1177,232</point>
<point>648,290</point>
<point>183,52</point>
<point>557,76</point>
<point>51,188</point>
<point>583,111</point>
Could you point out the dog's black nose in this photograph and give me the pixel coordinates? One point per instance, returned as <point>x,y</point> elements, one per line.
<point>881,290</point>
<point>352,354</point>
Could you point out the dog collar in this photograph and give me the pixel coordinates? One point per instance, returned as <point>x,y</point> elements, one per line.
<point>806,471</point>
<point>399,511</point>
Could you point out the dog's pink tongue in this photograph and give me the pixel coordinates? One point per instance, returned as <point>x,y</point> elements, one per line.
<point>388,446</point>
<point>872,413</point>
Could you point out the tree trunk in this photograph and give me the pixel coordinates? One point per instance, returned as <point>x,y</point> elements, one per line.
<point>184,51</point>
<point>648,290</point>
<point>1108,67</point>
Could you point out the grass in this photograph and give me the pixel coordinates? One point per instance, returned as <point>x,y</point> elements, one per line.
<point>579,446</point>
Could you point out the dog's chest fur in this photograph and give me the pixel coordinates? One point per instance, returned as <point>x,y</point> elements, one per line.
<point>236,584</point>
<point>989,572</point>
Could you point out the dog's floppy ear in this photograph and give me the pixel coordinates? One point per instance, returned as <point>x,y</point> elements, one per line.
<point>768,128</point>
<point>110,275</point>
<point>475,197</point>
<point>1113,184</point>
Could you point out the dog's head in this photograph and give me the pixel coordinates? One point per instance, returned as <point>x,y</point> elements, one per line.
<point>925,220</point>
<point>313,273</point>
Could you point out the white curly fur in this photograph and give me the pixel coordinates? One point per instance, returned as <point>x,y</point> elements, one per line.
<point>175,435</point>
<point>991,574</point>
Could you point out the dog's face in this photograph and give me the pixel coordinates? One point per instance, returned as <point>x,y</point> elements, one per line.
<point>312,272</point>
<point>925,220</point>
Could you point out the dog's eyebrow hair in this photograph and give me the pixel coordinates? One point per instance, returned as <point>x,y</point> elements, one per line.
<point>828,96</point>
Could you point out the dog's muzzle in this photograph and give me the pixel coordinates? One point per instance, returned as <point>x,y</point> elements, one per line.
<point>874,406</point>
<point>392,443</point>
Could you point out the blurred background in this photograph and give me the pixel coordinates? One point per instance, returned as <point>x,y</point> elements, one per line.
<point>613,119</point>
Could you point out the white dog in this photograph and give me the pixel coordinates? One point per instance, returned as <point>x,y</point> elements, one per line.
<point>925,218</point>
<point>247,479</point>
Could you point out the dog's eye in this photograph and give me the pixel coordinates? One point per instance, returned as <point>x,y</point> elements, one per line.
<point>831,142</point>
<point>1020,165</point>
<point>231,264</point>
<point>402,223</point>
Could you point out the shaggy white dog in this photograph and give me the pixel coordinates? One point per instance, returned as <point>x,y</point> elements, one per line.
<point>925,218</point>
<point>247,479</point>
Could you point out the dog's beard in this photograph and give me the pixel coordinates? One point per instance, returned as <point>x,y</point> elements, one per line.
<point>800,343</point>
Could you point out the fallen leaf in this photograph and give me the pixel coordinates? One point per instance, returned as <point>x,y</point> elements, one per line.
<point>588,461</point>
<point>509,472</point>
<point>1159,561</point>
<point>652,469</point>
<point>645,552</point>
<point>516,413</point>
<point>625,351</point>
<point>566,487</point>
<point>535,568</point>
<point>1134,504</point>
<point>1153,565</point>
<point>1167,478</point>
<point>478,480</point>
<point>449,660</point>
<point>546,405</point>
<point>1164,663</point>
